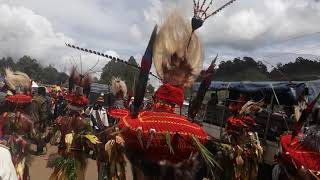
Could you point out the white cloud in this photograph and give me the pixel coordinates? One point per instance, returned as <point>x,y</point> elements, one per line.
<point>136,33</point>
<point>249,25</point>
<point>154,12</point>
<point>22,32</point>
<point>86,62</point>
<point>39,28</point>
<point>246,24</point>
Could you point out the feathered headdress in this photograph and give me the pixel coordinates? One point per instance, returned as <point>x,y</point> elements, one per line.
<point>17,79</point>
<point>118,87</point>
<point>251,107</point>
<point>177,61</point>
<point>80,80</point>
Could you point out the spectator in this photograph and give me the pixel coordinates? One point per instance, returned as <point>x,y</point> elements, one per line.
<point>39,112</point>
<point>98,114</point>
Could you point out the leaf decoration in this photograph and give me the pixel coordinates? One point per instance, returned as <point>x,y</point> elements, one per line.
<point>168,141</point>
<point>92,138</point>
<point>207,155</point>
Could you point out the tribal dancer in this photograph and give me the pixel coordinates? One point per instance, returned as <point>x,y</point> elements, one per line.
<point>158,140</point>
<point>299,154</point>
<point>16,127</point>
<point>160,143</point>
<point>76,134</point>
<point>247,151</point>
<point>119,106</point>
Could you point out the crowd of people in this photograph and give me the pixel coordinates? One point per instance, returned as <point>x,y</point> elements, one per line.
<point>158,142</point>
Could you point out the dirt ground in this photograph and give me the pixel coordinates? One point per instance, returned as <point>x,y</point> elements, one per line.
<point>38,170</point>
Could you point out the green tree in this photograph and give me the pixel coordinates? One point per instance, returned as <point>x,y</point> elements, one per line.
<point>242,69</point>
<point>6,63</point>
<point>301,69</point>
<point>47,75</point>
<point>117,69</point>
<point>30,66</point>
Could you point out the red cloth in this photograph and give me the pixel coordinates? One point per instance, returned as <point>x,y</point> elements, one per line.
<point>19,99</point>
<point>179,128</point>
<point>300,154</point>
<point>118,113</point>
<point>170,93</point>
<point>77,100</point>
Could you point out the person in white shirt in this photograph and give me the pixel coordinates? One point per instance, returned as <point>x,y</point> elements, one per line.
<point>98,115</point>
<point>7,170</point>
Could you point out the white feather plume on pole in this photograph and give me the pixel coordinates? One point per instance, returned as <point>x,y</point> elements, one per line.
<point>118,85</point>
<point>172,39</point>
<point>17,79</point>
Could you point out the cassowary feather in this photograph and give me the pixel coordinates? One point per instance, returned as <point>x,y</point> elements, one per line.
<point>81,80</point>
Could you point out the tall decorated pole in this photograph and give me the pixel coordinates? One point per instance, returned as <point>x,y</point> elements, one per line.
<point>141,85</point>
<point>107,56</point>
<point>195,103</point>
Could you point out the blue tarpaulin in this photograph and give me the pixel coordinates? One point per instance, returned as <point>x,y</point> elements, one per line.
<point>287,93</point>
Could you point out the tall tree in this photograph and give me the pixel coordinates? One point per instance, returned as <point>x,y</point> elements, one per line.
<point>242,69</point>
<point>125,72</point>
<point>47,75</point>
<point>299,70</point>
<point>30,66</point>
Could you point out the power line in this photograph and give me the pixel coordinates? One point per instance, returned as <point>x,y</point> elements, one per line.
<point>293,38</point>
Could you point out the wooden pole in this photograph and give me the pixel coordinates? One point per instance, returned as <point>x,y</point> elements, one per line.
<point>269,118</point>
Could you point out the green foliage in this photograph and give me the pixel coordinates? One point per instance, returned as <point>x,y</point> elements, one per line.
<point>127,73</point>
<point>239,70</point>
<point>235,70</point>
<point>206,154</point>
<point>67,165</point>
<point>46,75</point>
<point>30,67</point>
<point>168,142</point>
<point>247,69</point>
<point>301,69</point>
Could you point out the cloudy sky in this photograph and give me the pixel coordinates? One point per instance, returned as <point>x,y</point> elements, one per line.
<point>270,30</point>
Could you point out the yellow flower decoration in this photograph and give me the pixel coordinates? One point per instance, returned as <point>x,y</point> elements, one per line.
<point>92,138</point>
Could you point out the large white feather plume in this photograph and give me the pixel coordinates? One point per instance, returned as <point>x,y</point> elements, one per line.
<point>174,62</point>
<point>118,86</point>
<point>17,79</point>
